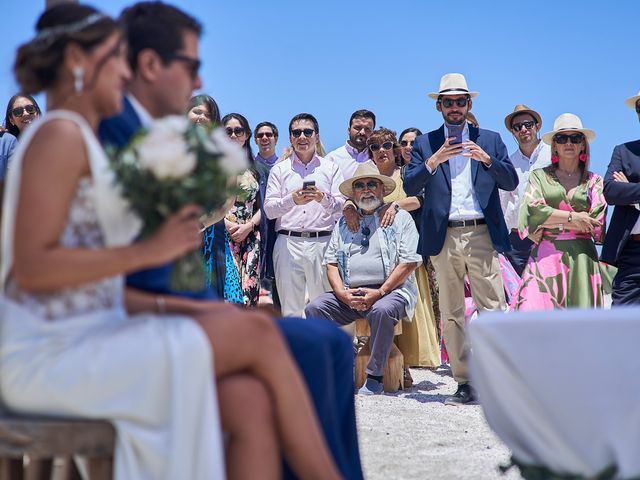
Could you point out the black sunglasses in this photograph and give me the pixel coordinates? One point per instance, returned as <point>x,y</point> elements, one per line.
<point>561,138</point>
<point>264,134</point>
<point>516,127</point>
<point>237,131</point>
<point>385,146</point>
<point>365,231</point>
<point>19,111</point>
<point>407,143</point>
<point>448,102</point>
<point>371,184</point>
<point>192,64</point>
<point>308,132</point>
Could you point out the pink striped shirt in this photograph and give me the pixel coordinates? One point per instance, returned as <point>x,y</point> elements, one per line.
<point>287,176</point>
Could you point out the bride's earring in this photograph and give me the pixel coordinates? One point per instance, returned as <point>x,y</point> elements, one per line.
<point>78,79</point>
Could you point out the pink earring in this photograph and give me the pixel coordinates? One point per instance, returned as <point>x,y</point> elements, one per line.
<point>554,159</point>
<point>582,157</point>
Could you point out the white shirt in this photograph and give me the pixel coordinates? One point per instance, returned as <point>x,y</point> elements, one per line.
<point>348,159</point>
<point>510,201</point>
<point>464,202</point>
<point>636,227</point>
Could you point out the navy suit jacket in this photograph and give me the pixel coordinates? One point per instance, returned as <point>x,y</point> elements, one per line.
<point>437,187</point>
<point>118,130</point>
<point>625,159</point>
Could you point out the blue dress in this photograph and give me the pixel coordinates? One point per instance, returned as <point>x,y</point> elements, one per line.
<point>219,264</point>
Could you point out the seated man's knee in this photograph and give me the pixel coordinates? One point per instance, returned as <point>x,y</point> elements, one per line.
<point>386,313</point>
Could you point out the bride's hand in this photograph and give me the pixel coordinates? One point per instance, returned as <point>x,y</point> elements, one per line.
<point>178,235</point>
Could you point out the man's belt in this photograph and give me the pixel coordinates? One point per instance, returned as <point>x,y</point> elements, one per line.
<point>467,223</point>
<point>634,237</point>
<point>304,234</point>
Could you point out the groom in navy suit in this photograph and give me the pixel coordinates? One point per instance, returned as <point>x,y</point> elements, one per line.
<point>165,73</point>
<point>461,167</point>
<point>622,242</point>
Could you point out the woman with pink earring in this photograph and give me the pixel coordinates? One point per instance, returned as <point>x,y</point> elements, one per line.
<point>563,212</point>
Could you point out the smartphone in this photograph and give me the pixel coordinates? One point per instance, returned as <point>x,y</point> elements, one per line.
<point>455,131</point>
<point>308,183</point>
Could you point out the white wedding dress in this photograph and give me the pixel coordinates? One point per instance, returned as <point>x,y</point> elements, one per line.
<point>77,353</point>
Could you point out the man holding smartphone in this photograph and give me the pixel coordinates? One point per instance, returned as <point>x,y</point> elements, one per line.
<point>303,198</point>
<point>461,167</point>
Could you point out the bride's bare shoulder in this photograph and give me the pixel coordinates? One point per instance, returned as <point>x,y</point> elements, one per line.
<point>58,144</point>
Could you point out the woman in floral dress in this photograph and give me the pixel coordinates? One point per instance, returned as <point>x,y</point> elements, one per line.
<point>243,220</point>
<point>564,213</point>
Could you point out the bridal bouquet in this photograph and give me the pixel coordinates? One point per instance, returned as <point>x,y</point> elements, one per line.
<point>170,165</point>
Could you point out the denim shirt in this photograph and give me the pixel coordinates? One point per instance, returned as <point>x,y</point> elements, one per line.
<point>398,243</point>
<point>7,146</point>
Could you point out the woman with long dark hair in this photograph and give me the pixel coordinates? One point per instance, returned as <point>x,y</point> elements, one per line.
<point>22,109</point>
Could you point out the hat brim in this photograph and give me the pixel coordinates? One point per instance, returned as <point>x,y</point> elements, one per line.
<point>590,135</point>
<point>346,187</point>
<point>435,95</point>
<point>533,113</point>
<point>631,101</point>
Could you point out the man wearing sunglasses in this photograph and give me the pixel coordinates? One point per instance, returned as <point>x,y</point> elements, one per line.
<point>266,136</point>
<point>524,124</point>
<point>303,199</point>
<point>461,167</point>
<point>622,241</point>
<point>354,151</point>
<point>371,272</point>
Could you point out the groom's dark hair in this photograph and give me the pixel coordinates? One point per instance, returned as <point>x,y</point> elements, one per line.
<point>157,26</point>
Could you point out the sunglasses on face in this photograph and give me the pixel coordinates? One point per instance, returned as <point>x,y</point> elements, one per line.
<point>386,146</point>
<point>192,64</point>
<point>19,111</point>
<point>448,102</point>
<point>237,131</point>
<point>574,138</point>
<point>407,143</point>
<point>516,127</point>
<point>308,132</point>
<point>264,134</point>
<point>371,185</point>
<point>365,231</point>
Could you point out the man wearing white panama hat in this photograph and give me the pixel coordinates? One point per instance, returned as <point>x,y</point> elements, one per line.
<point>461,167</point>
<point>371,271</point>
<point>622,242</point>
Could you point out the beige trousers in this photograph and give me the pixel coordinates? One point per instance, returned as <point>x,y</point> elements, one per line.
<point>299,271</point>
<point>466,251</point>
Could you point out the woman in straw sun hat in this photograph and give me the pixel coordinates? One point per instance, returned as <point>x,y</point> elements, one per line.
<point>563,212</point>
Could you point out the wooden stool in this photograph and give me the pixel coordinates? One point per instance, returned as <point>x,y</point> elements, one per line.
<point>393,379</point>
<point>42,440</point>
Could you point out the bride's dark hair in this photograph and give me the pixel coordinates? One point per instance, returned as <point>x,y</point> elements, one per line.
<point>38,62</point>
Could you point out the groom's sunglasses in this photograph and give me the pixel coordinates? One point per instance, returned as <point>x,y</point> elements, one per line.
<point>192,64</point>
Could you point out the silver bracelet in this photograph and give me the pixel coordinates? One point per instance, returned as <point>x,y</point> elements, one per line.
<point>161,304</point>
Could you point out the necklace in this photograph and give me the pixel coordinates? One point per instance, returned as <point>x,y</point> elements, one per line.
<point>568,174</point>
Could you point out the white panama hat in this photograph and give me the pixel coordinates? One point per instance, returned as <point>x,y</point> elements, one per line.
<point>453,84</point>
<point>568,122</point>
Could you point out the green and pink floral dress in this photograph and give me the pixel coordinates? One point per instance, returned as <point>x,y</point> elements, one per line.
<point>563,270</point>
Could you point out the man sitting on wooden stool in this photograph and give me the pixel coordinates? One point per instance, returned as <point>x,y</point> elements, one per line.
<point>371,271</point>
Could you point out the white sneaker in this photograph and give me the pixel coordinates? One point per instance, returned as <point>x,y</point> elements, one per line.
<point>371,387</point>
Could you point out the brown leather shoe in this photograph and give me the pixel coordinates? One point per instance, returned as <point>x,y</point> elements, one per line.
<point>408,379</point>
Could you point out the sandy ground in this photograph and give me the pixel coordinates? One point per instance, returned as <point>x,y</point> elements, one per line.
<point>413,435</point>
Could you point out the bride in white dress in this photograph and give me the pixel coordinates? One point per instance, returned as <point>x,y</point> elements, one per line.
<point>71,344</point>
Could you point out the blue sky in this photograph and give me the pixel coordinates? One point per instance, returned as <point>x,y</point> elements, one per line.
<point>271,60</point>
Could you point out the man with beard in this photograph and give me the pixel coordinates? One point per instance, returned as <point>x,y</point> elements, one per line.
<point>524,124</point>
<point>354,152</point>
<point>622,242</point>
<point>371,272</point>
<point>461,167</point>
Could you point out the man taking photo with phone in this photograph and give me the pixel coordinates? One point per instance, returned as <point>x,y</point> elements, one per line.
<point>462,227</point>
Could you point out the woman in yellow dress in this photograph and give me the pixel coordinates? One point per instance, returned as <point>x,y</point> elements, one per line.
<point>419,340</point>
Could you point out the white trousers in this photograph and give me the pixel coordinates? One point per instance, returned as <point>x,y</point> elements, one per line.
<point>299,270</point>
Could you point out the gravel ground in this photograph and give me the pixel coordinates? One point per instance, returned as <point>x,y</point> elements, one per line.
<point>413,435</point>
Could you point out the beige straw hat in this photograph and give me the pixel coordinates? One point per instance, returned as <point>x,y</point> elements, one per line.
<point>570,123</point>
<point>517,110</point>
<point>631,101</point>
<point>453,84</point>
<point>367,170</point>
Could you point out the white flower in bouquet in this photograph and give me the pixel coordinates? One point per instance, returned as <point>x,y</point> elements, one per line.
<point>164,152</point>
<point>234,158</point>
